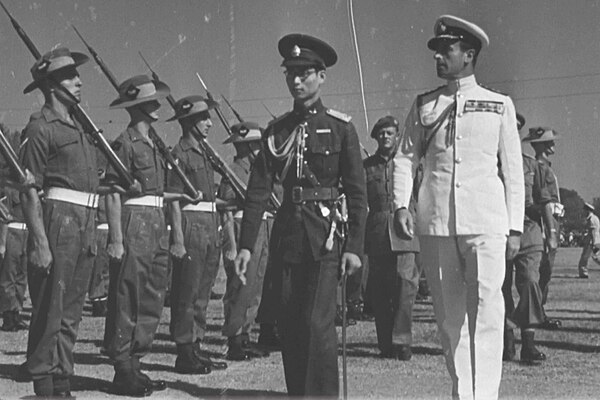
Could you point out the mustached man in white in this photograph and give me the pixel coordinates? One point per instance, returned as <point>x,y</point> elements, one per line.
<point>470,207</point>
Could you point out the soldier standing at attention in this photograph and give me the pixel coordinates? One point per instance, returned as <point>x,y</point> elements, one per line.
<point>591,240</point>
<point>138,240</point>
<point>393,273</point>
<point>529,312</point>
<point>243,294</point>
<point>194,241</point>
<point>313,151</point>
<point>61,229</point>
<point>470,204</point>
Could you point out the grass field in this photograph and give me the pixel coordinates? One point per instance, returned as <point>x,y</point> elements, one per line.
<point>572,370</point>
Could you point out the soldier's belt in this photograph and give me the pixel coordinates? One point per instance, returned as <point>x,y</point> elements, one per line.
<point>205,206</point>
<point>89,200</point>
<point>20,226</point>
<point>240,214</point>
<point>301,194</point>
<point>147,201</point>
<point>102,227</point>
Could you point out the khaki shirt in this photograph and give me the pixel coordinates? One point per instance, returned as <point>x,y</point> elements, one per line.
<point>462,192</point>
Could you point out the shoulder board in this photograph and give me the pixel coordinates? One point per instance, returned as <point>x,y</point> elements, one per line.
<point>277,119</point>
<point>339,115</point>
<point>492,89</point>
<point>421,96</point>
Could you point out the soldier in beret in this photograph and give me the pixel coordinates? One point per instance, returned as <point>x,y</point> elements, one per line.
<point>470,204</point>
<point>537,228</point>
<point>591,240</point>
<point>61,246</point>
<point>393,273</point>
<point>194,241</point>
<point>314,151</point>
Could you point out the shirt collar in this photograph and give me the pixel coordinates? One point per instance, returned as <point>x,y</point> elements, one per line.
<point>50,115</point>
<point>314,108</point>
<point>187,143</point>
<point>462,84</point>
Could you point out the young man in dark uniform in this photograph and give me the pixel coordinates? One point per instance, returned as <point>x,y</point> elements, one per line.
<point>312,150</point>
<point>61,229</point>
<point>243,294</point>
<point>138,240</point>
<point>393,273</point>
<point>194,240</point>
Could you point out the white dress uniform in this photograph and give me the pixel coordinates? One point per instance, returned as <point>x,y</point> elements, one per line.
<point>471,196</point>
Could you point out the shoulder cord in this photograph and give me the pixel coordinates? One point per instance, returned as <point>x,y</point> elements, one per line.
<point>437,124</point>
<point>293,145</point>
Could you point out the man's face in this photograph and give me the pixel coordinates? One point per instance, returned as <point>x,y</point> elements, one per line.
<point>547,148</point>
<point>304,83</point>
<point>203,123</point>
<point>451,60</point>
<point>69,79</point>
<point>150,108</point>
<point>387,138</point>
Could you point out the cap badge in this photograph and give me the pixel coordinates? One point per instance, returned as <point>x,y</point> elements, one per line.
<point>443,27</point>
<point>186,106</point>
<point>539,132</point>
<point>43,67</point>
<point>244,132</point>
<point>132,92</point>
<point>296,51</point>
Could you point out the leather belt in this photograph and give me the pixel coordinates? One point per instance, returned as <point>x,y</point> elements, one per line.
<point>21,226</point>
<point>205,206</point>
<point>85,199</point>
<point>147,201</point>
<point>102,227</point>
<point>240,214</point>
<point>301,194</point>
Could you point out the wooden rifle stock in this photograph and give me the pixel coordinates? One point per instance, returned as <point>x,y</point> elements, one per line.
<point>11,158</point>
<point>88,125</point>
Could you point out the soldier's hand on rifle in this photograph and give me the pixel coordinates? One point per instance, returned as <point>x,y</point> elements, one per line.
<point>40,257</point>
<point>513,244</point>
<point>552,240</point>
<point>22,186</point>
<point>115,250</point>
<point>350,263</point>
<point>241,264</point>
<point>178,250</point>
<point>403,223</point>
<point>194,200</point>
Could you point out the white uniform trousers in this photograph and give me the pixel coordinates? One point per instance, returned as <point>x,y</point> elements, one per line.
<point>465,274</point>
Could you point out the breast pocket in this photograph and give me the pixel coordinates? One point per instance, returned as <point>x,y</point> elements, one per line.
<point>144,169</point>
<point>65,144</point>
<point>325,150</point>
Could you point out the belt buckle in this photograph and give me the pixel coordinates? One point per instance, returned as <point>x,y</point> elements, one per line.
<point>297,194</point>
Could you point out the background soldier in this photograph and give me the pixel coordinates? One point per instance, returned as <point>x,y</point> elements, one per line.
<point>243,294</point>
<point>591,240</point>
<point>463,133</point>
<point>61,229</point>
<point>393,273</point>
<point>312,150</point>
<point>138,240</point>
<point>529,312</point>
<point>195,244</point>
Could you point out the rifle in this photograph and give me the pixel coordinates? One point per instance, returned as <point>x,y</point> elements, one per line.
<point>213,157</point>
<point>273,116</point>
<point>11,158</point>
<point>80,115</point>
<point>237,114</point>
<point>5,215</point>
<point>217,109</point>
<point>162,148</point>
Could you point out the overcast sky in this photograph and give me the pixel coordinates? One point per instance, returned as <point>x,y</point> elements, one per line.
<point>545,54</point>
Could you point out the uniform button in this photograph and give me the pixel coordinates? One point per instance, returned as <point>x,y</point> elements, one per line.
<point>459,115</point>
<point>459,137</point>
<point>305,162</point>
<point>306,135</point>
<point>458,160</point>
<point>326,152</point>
<point>458,184</point>
<point>306,149</point>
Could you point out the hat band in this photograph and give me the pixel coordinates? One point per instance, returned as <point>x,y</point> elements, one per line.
<point>197,107</point>
<point>60,62</point>
<point>145,90</point>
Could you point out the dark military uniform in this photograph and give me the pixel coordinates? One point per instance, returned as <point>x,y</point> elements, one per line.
<point>529,311</point>
<point>13,270</point>
<point>194,276</point>
<point>138,281</point>
<point>393,273</point>
<point>304,274</point>
<point>241,302</point>
<point>63,160</point>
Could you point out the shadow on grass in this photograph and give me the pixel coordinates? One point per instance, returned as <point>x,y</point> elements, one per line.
<point>371,350</point>
<point>198,391</point>
<point>577,347</point>
<point>91,359</point>
<point>579,311</point>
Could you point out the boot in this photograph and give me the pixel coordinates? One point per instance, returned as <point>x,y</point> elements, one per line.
<point>339,318</point>
<point>23,374</point>
<point>127,383</point>
<point>251,348</point>
<point>529,353</point>
<point>9,324</point>
<point>508,353</point>
<point>188,363</point>
<point>206,360</point>
<point>62,387</point>
<point>269,337</point>
<point>156,386</point>
<point>99,307</point>
<point>236,352</point>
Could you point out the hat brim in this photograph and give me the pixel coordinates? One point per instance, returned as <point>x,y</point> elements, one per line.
<point>212,104</point>
<point>433,43</point>
<point>78,58</point>
<point>162,91</point>
<point>301,63</point>
<point>240,139</point>
<point>538,140</point>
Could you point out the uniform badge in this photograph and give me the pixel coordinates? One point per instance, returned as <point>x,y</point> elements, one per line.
<point>327,130</point>
<point>296,51</point>
<point>484,106</point>
<point>186,106</point>
<point>443,27</point>
<point>132,92</point>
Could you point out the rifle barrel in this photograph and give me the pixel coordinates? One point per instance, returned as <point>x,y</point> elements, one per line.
<point>11,157</point>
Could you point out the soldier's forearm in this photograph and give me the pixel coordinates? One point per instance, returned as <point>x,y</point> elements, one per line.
<point>32,211</point>
<point>113,217</point>
<point>176,222</point>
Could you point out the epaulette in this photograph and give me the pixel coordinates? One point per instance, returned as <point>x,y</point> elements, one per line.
<point>422,95</point>
<point>492,89</point>
<point>339,115</point>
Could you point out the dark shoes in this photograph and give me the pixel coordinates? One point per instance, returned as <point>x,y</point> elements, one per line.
<point>253,349</point>
<point>532,356</point>
<point>206,360</point>
<point>551,324</point>
<point>509,352</point>
<point>235,351</point>
<point>53,386</point>
<point>401,352</point>
<point>156,386</point>
<point>269,338</point>
<point>127,382</point>
<point>583,276</point>
<point>356,311</point>
<point>99,307</point>
<point>339,319</point>
<point>23,374</point>
<point>13,321</point>
<point>188,363</point>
